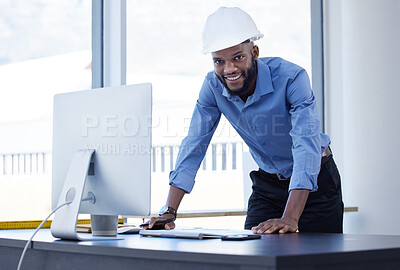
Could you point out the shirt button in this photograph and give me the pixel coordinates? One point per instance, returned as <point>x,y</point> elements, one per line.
<point>285,172</point>
<point>254,127</point>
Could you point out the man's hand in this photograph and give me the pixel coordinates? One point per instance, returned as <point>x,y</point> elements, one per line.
<point>165,221</point>
<point>281,225</point>
<point>289,221</point>
<point>175,196</point>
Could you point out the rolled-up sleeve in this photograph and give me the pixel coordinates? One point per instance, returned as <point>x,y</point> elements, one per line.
<point>305,133</point>
<point>205,119</point>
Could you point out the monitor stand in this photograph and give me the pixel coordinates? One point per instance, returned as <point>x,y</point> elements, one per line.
<point>65,219</point>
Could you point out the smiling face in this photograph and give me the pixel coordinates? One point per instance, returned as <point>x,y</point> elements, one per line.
<point>236,68</point>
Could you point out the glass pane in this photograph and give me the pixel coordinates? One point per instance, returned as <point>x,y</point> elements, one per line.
<point>164,48</point>
<point>45,48</point>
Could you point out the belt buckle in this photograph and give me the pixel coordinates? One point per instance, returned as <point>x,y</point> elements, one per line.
<point>281,177</point>
<point>327,152</point>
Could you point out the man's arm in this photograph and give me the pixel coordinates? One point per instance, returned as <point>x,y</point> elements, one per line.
<point>205,119</point>
<point>290,218</point>
<point>175,196</point>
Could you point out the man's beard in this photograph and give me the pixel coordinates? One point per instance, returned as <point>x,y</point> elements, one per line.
<point>249,76</point>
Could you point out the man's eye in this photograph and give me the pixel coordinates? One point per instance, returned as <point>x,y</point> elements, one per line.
<point>239,57</point>
<point>218,62</point>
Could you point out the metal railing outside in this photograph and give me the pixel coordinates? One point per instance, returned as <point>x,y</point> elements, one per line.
<point>25,163</point>
<point>219,157</point>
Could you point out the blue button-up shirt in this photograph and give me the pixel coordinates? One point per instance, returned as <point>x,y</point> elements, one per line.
<point>279,123</point>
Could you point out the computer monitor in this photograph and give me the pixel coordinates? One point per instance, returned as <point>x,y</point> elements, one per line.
<point>102,148</point>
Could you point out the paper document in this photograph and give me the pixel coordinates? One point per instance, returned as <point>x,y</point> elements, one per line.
<point>129,230</point>
<point>193,233</point>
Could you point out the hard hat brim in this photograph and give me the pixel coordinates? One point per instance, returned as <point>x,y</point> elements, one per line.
<point>228,43</point>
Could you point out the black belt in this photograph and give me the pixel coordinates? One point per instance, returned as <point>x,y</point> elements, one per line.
<point>324,158</point>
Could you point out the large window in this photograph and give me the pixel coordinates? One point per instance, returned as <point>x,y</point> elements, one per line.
<point>45,48</point>
<point>164,48</point>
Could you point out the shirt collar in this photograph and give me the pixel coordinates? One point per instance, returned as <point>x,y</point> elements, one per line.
<point>263,84</point>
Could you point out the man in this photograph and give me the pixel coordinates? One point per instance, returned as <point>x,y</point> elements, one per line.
<point>270,103</point>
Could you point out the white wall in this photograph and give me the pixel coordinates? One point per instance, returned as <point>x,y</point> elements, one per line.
<point>362,48</point>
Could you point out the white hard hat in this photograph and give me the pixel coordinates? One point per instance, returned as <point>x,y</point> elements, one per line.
<point>227,27</point>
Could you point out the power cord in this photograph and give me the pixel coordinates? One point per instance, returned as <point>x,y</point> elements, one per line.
<point>37,229</point>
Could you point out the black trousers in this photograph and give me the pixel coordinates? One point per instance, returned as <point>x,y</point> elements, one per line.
<point>323,211</point>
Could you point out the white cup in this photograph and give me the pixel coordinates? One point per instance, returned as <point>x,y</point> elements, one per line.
<point>103,225</point>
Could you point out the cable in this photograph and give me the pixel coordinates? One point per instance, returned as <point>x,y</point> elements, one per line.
<point>37,229</point>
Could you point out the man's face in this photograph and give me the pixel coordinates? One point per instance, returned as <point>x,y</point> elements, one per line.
<point>236,68</point>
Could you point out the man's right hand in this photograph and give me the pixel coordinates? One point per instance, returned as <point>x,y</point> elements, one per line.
<point>165,221</point>
<point>175,196</point>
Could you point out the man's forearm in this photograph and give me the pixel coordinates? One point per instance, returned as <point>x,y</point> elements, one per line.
<point>175,196</point>
<point>295,204</point>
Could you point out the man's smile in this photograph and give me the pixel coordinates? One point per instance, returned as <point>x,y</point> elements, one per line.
<point>233,77</point>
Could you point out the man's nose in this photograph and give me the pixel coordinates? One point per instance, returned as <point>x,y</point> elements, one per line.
<point>229,67</point>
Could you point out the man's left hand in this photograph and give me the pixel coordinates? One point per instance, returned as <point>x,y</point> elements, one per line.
<point>281,225</point>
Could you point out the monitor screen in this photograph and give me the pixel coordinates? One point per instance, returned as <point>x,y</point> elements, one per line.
<point>116,123</point>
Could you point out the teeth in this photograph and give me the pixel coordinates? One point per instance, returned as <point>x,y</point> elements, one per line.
<point>233,78</point>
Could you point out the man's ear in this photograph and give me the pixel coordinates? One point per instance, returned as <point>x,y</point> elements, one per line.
<point>255,51</point>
